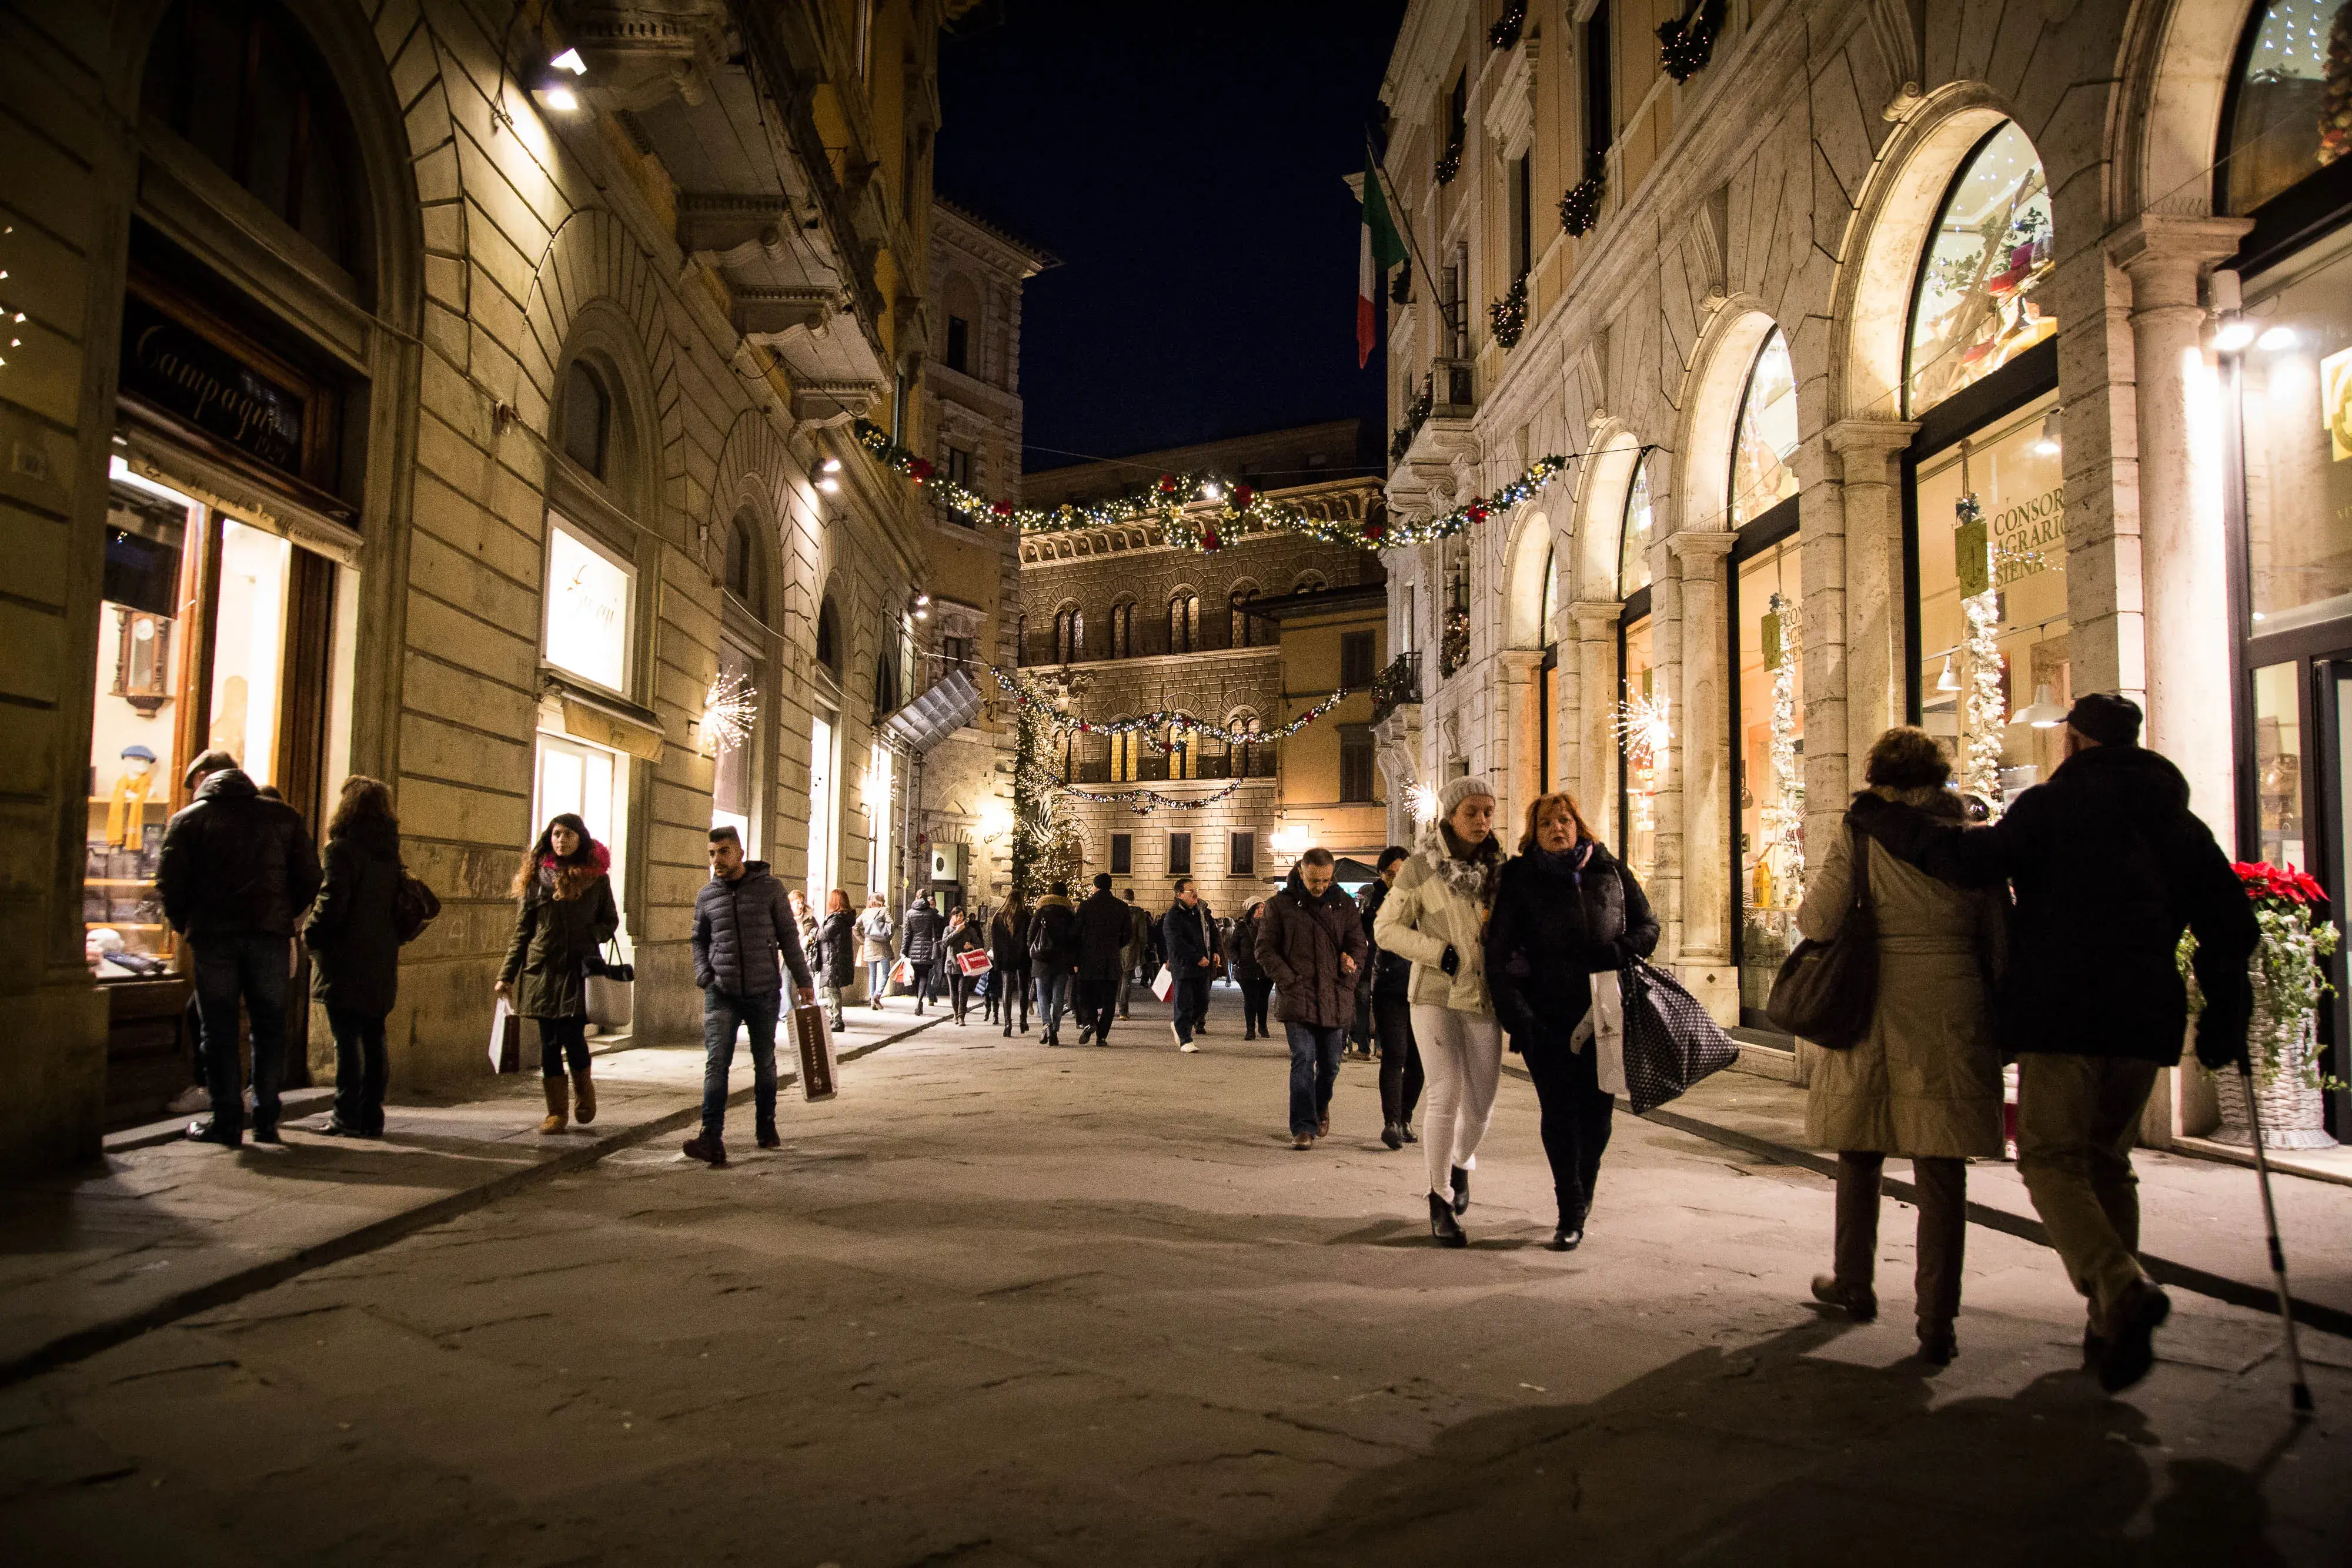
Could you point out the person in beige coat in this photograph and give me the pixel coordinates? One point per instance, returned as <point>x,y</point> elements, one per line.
<point>1924,1082</point>
<point>1436,916</point>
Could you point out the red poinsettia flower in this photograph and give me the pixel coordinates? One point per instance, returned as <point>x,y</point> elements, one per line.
<point>1243,496</point>
<point>1167,484</point>
<point>1002,508</point>
<point>1477,513</point>
<point>920,469</point>
<point>1208,538</point>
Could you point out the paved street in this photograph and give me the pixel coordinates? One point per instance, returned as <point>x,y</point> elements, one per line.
<point>999,1305</point>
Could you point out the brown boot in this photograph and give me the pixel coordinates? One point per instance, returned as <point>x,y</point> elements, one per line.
<point>558,1098</point>
<point>585,1092</point>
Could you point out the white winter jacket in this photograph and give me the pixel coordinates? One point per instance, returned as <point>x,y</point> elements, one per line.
<point>1425,912</point>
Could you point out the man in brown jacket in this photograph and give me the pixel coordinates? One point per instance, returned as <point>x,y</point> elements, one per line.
<point>1311,941</point>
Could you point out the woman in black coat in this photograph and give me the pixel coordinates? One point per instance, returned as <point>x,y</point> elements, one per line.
<point>836,952</point>
<point>1566,910</point>
<point>355,946</point>
<point>1257,986</point>
<point>1008,961</point>
<point>563,914</point>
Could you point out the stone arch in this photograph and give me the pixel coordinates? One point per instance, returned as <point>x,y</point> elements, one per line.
<point>1597,534</point>
<point>1531,548</point>
<point>754,473</point>
<point>1717,382</point>
<point>604,338</point>
<point>2174,70</point>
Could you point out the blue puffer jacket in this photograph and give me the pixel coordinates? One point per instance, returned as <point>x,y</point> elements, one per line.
<point>740,927</point>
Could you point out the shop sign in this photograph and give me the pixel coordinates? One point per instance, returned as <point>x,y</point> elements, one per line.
<point>1971,555</point>
<point>587,610</point>
<point>2029,537</point>
<point>196,380</point>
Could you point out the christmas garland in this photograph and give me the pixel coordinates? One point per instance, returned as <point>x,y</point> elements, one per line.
<point>1506,30</point>
<point>1686,42</point>
<point>1580,209</point>
<point>1175,501</point>
<point>1147,724</point>
<point>1508,315</point>
<point>1127,798</point>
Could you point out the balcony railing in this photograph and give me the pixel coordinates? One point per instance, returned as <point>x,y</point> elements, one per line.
<point>1398,683</point>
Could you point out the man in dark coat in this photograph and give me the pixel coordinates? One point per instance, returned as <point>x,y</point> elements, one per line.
<point>919,944</point>
<point>1310,940</point>
<point>742,922</point>
<point>1391,1012</point>
<point>1105,928</point>
<point>1187,933</point>
<point>2108,866</point>
<point>235,874</point>
<point>1138,955</point>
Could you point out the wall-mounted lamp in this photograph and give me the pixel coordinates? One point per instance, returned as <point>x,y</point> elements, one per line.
<point>830,465</point>
<point>2047,443</point>
<point>552,86</point>
<point>2043,712</point>
<point>2234,334</point>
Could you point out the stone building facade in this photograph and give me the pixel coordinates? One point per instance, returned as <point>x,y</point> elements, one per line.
<point>544,378</point>
<point>1913,366</point>
<point>1127,626</point>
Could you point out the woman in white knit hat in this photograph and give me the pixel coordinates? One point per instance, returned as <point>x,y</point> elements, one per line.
<point>1436,916</point>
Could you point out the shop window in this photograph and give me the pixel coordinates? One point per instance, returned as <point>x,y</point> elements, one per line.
<point>1992,532</point>
<point>1242,851</point>
<point>587,420</point>
<point>1633,543</point>
<point>2278,767</point>
<point>1355,660</point>
<point>1179,854</point>
<point>2295,383</point>
<point>1770,746</point>
<point>1982,299</point>
<point>2290,113</point>
<point>733,784</point>
<point>1645,735</point>
<point>1355,764</point>
<point>1764,449</point>
<point>590,608</point>
<point>824,807</point>
<point>240,81</point>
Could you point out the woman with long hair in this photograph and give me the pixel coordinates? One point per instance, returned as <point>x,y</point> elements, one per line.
<point>1008,958</point>
<point>963,935</point>
<point>1924,1082</point>
<point>1257,986</point>
<point>874,948</point>
<point>563,914</point>
<point>836,952</point>
<point>354,943</point>
<point>1565,909</point>
<point>1436,916</point>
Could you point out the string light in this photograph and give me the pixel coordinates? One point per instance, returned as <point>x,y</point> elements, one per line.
<point>729,710</point>
<point>1149,725</point>
<point>1142,801</point>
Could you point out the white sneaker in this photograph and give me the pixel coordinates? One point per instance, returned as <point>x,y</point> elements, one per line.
<point>1188,1046</point>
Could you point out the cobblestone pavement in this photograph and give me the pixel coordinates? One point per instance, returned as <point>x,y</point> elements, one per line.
<point>998,1304</point>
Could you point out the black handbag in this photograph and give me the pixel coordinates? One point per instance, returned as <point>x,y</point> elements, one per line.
<point>1826,992</point>
<point>1670,1042</point>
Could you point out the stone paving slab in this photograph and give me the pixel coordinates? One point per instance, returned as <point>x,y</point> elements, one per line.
<point>162,1228</point>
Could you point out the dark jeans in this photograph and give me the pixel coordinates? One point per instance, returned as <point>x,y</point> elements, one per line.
<point>250,968</point>
<point>1399,1058</point>
<point>361,1069</point>
<point>1313,1070</point>
<point>1189,1002</point>
<point>1943,1230</point>
<point>1053,996</point>
<point>1097,1001</point>
<point>1008,990</point>
<point>1256,992</point>
<point>720,1015</point>
<point>927,984</point>
<point>558,1039</point>
<point>1576,1123</point>
<point>960,990</point>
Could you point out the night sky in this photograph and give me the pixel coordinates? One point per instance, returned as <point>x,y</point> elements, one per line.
<point>1184,162</point>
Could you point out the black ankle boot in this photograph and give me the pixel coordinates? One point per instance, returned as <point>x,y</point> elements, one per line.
<point>1461,1190</point>
<point>1442,1225</point>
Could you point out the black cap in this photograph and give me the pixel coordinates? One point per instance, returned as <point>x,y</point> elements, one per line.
<point>2105,717</point>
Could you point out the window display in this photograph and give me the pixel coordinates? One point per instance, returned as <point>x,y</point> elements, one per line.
<point>1771,746</point>
<point>2292,112</point>
<point>2295,385</point>
<point>1981,300</point>
<point>1634,544</point>
<point>1764,450</point>
<point>1644,734</point>
<point>732,791</point>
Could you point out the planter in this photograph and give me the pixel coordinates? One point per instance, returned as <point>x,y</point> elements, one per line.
<point>2288,1097</point>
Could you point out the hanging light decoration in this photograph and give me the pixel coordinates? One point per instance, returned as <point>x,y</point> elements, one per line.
<point>729,710</point>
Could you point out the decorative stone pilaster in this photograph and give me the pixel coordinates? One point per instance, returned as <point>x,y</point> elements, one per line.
<point>2184,566</point>
<point>1857,650</point>
<point>1518,735</point>
<point>1590,677</point>
<point>1701,774</point>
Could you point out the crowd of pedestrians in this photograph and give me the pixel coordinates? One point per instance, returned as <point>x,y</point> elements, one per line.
<point>2048,938</point>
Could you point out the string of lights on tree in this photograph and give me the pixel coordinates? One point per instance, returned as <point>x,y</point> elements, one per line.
<point>1784,816</point>
<point>1142,801</point>
<point>1149,725</point>
<point>1201,512</point>
<point>1988,707</point>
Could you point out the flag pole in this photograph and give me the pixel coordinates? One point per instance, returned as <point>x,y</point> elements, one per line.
<point>1403,222</point>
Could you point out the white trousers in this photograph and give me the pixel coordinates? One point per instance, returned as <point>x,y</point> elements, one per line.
<point>1461,1062</point>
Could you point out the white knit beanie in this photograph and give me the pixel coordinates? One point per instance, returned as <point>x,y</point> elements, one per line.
<point>1457,790</point>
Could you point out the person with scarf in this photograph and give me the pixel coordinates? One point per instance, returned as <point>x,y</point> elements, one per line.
<point>563,913</point>
<point>1435,917</point>
<point>1565,909</point>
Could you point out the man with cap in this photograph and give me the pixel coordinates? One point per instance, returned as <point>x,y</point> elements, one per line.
<point>2108,865</point>
<point>236,873</point>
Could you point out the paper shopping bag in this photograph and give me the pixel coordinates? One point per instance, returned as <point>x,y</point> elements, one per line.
<point>506,1039</point>
<point>1608,1020</point>
<point>1163,982</point>
<point>973,962</point>
<point>815,1041</point>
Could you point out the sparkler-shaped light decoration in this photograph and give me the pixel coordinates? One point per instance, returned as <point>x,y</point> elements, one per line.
<point>728,709</point>
<point>1422,800</point>
<point>1644,734</point>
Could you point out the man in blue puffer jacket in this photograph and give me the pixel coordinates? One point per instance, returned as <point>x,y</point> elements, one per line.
<point>742,922</point>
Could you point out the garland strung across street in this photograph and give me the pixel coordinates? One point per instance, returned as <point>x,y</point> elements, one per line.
<point>1140,801</point>
<point>1147,724</point>
<point>1173,501</point>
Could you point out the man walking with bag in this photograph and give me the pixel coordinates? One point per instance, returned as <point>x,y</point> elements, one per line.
<point>1312,942</point>
<point>1190,936</point>
<point>2108,865</point>
<point>743,920</point>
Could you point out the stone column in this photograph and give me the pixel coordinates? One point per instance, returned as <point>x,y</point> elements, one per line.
<point>1518,738</point>
<point>2184,566</point>
<point>1707,961</point>
<point>1591,768</point>
<point>1864,607</point>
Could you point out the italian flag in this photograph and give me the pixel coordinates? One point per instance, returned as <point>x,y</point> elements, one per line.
<point>1379,249</point>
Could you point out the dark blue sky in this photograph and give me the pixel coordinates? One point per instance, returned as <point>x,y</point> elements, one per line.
<point>1184,162</point>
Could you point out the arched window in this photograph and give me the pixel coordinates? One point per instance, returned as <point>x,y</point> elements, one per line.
<point>1069,634</point>
<point>1308,582</point>
<point>1181,743</point>
<point>1633,543</point>
<point>1243,632</point>
<point>745,579</point>
<point>1183,622</point>
<point>2286,120</point>
<point>1243,722</point>
<point>1126,748</point>
<point>1765,445</point>
<point>585,419</point>
<point>1981,301</point>
<point>1020,641</point>
<point>1551,594</point>
<point>242,83</point>
<point>828,635</point>
<point>1122,629</point>
<point>887,692</point>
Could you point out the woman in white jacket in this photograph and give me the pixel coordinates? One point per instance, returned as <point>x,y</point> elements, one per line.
<point>1436,916</point>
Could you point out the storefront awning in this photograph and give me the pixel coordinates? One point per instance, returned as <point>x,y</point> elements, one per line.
<point>951,704</point>
<point>607,721</point>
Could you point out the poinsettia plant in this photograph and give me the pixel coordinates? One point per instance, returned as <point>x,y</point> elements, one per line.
<point>2290,963</point>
